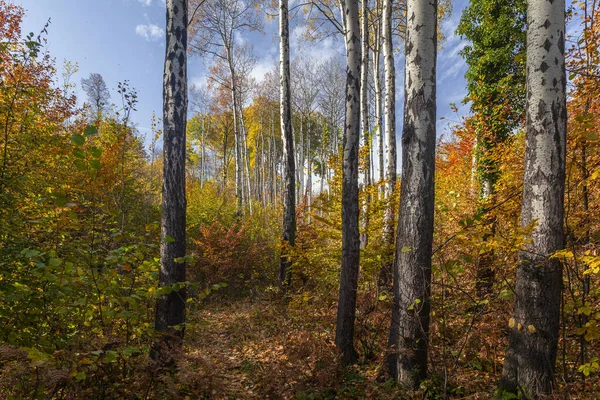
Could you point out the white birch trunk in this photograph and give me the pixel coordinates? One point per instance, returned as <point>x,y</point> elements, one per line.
<point>531,356</point>
<point>409,333</point>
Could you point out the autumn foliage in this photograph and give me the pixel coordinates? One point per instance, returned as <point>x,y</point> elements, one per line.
<point>79,249</point>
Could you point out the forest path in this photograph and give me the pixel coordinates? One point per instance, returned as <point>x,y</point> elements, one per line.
<point>260,350</point>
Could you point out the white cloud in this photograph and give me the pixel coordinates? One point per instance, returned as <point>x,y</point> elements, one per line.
<point>149,31</point>
<point>198,82</point>
<point>145,2</point>
<point>261,68</point>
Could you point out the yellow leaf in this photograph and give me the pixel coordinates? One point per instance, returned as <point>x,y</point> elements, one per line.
<point>511,323</point>
<point>531,328</point>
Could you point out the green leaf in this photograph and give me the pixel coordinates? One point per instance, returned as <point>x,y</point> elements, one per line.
<point>95,164</point>
<point>406,249</point>
<point>78,139</point>
<point>110,357</point>
<point>28,253</point>
<point>90,130</point>
<point>55,262</point>
<point>77,152</point>
<point>95,151</point>
<point>169,239</point>
<point>81,165</point>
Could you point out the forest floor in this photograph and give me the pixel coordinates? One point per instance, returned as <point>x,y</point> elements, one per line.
<point>263,349</point>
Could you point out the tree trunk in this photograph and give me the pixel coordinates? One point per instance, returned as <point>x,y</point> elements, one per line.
<point>170,309</point>
<point>246,160</point>
<point>287,137</point>
<point>534,328</point>
<point>344,334</point>
<point>309,173</point>
<point>202,158</point>
<point>364,110</point>
<point>239,167</point>
<point>300,165</point>
<point>390,138</point>
<point>409,333</point>
<point>378,100</point>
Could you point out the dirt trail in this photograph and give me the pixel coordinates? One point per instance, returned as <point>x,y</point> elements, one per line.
<point>259,350</point>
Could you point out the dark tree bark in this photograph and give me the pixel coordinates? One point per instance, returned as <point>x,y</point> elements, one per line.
<point>344,333</point>
<point>287,137</point>
<point>409,333</point>
<point>170,309</point>
<point>534,327</point>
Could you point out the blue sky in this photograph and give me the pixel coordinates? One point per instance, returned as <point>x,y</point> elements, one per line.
<point>124,40</point>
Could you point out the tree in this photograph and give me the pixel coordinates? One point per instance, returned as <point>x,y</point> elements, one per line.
<point>364,112</point>
<point>170,309</point>
<point>97,93</point>
<point>344,333</point>
<point>287,137</point>
<point>376,48</point>
<point>496,85</point>
<point>213,29</point>
<point>390,141</point>
<point>534,327</point>
<point>305,91</point>
<point>409,332</point>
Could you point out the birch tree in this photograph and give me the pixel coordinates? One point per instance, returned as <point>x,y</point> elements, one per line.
<point>287,137</point>
<point>364,112</point>
<point>213,32</point>
<point>344,334</point>
<point>534,327</point>
<point>390,140</point>
<point>170,309</point>
<point>409,333</point>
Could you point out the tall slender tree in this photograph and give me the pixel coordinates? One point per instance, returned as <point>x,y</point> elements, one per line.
<point>344,333</point>
<point>364,114</point>
<point>409,332</point>
<point>390,141</point>
<point>376,47</point>
<point>534,327</point>
<point>287,137</point>
<point>170,309</point>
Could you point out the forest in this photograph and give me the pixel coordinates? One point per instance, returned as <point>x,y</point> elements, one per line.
<point>311,234</point>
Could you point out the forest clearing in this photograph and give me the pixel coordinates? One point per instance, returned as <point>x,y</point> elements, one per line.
<point>299,221</point>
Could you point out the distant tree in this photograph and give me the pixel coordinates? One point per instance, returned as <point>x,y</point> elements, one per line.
<point>305,92</point>
<point>97,93</point>
<point>409,332</point>
<point>535,325</point>
<point>346,314</point>
<point>213,31</point>
<point>170,309</point>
